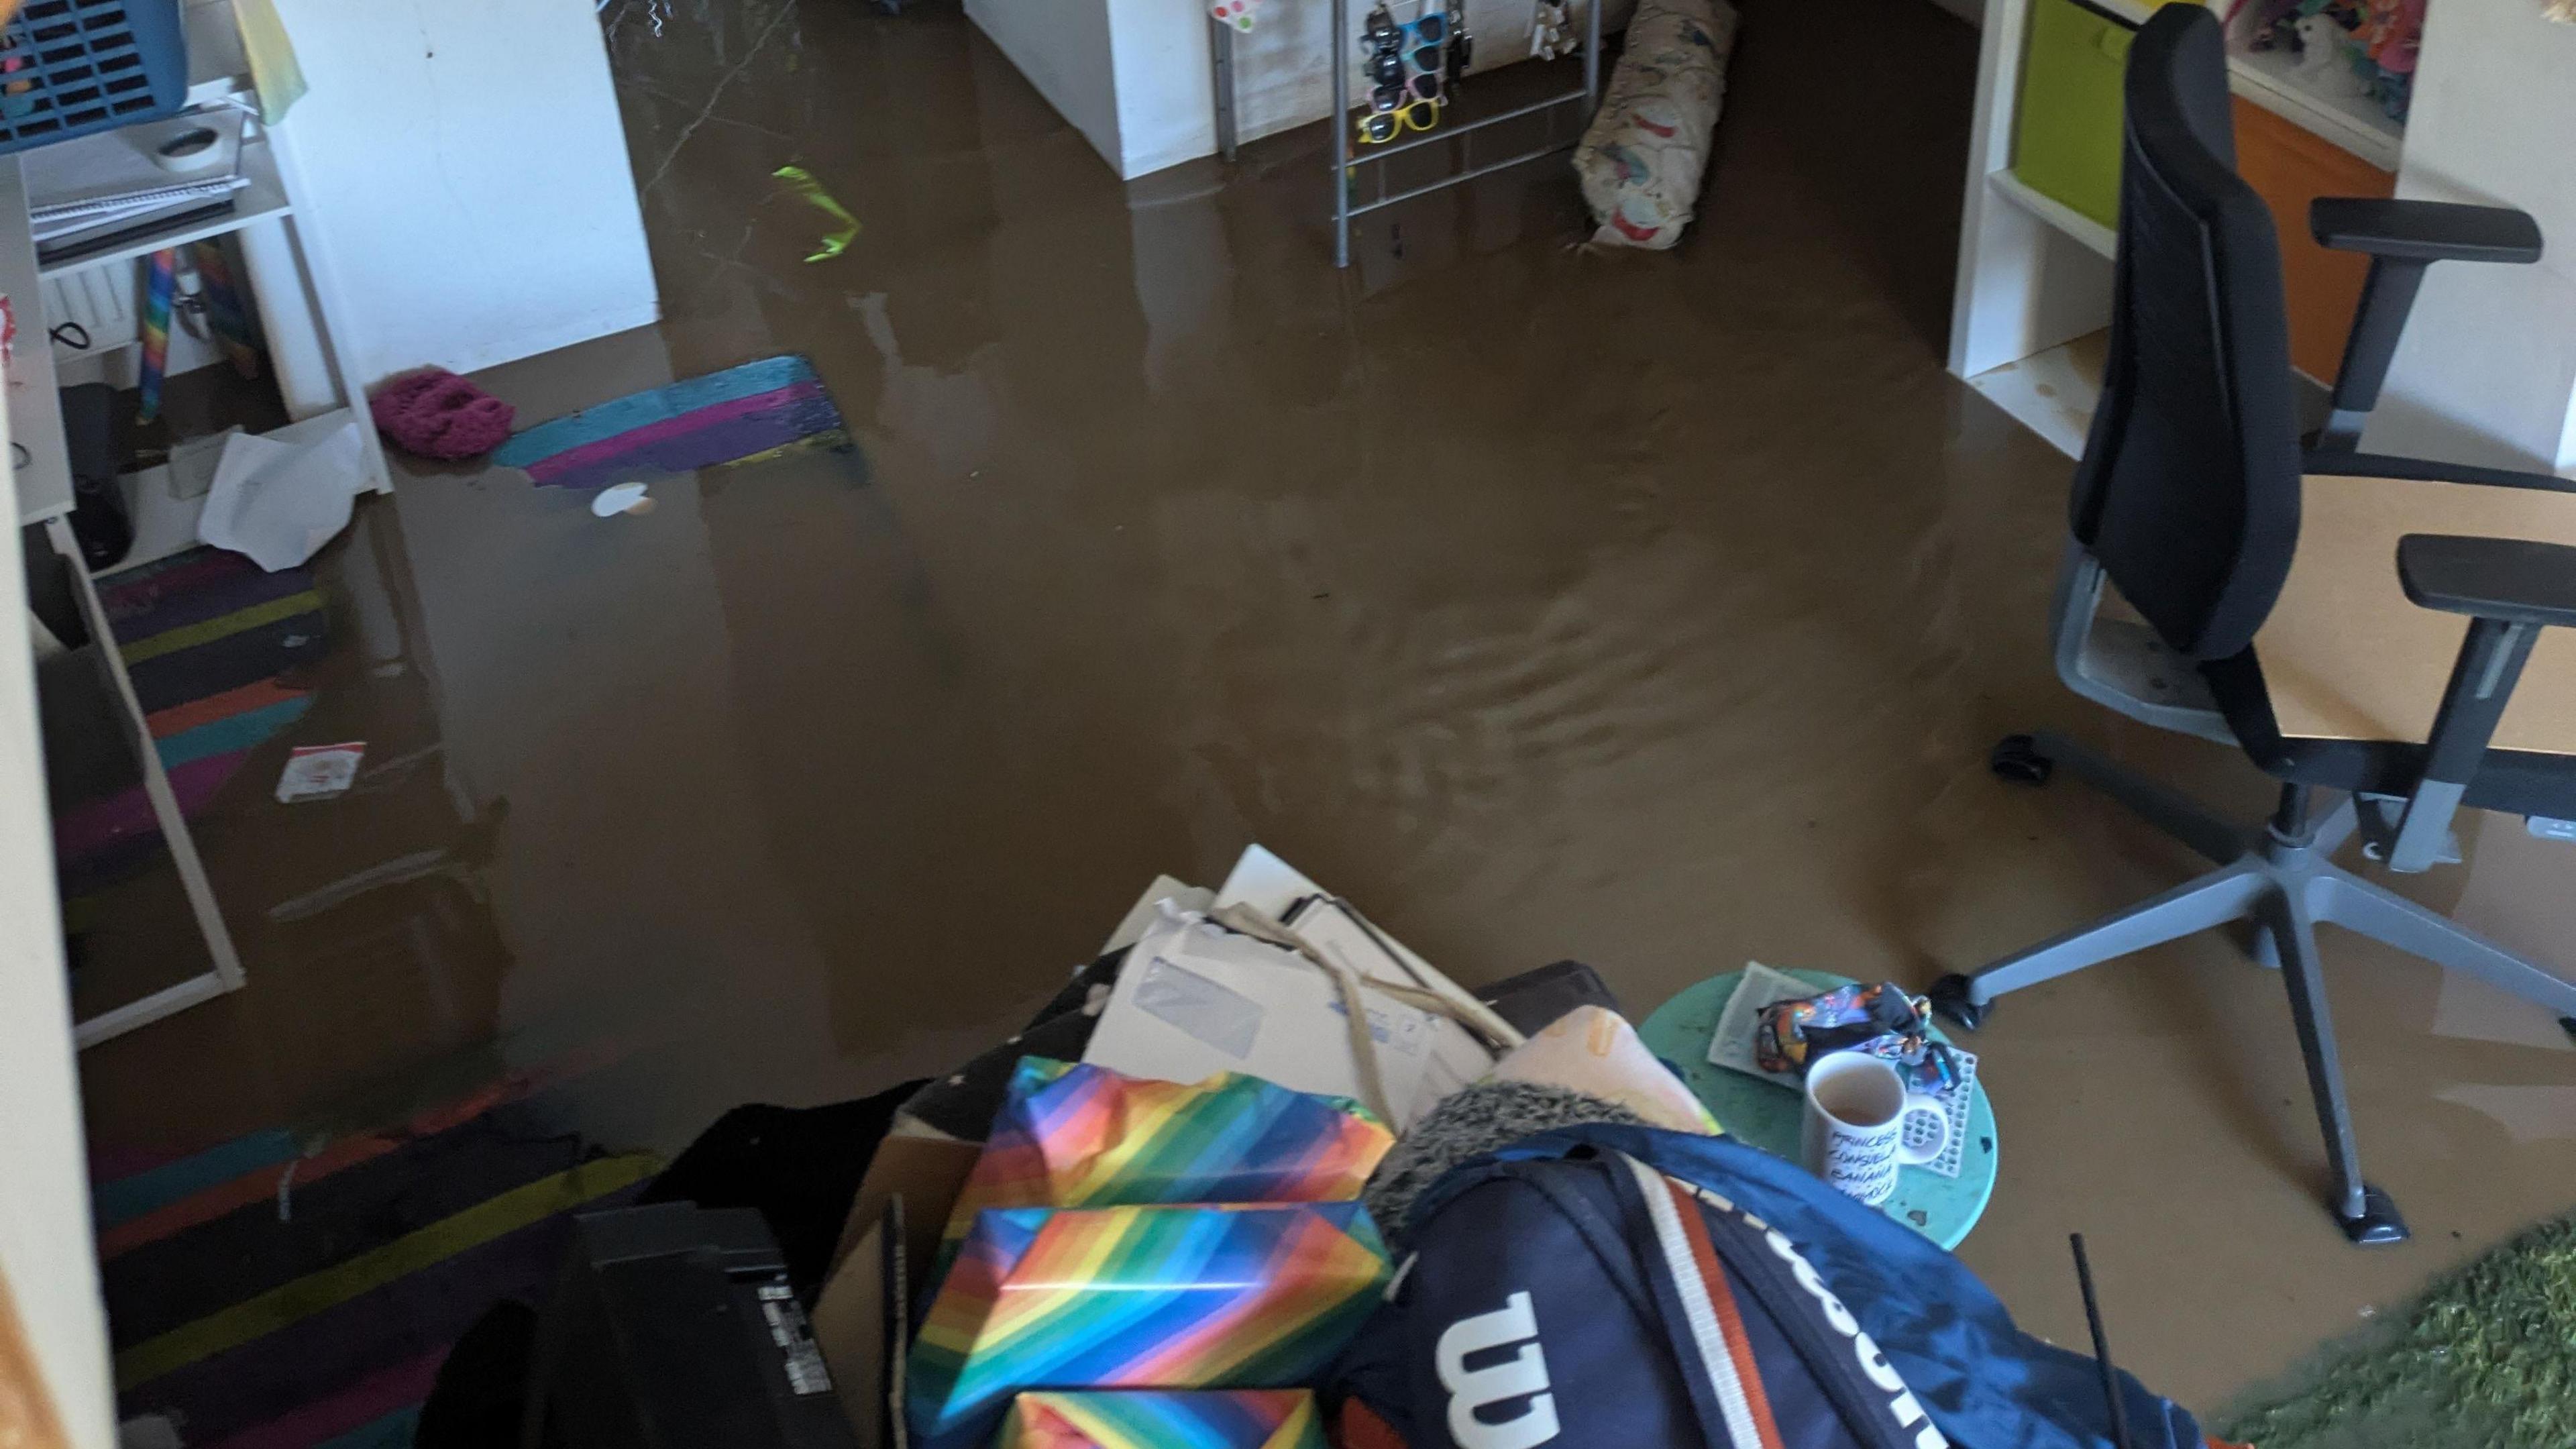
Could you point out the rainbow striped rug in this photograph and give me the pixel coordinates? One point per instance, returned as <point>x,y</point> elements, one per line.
<point>210,641</point>
<point>746,414</point>
<point>268,1294</point>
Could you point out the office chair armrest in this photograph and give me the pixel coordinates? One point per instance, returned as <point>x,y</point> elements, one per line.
<point>2510,580</point>
<point>2430,470</point>
<point>2424,231</point>
<point>2401,238</point>
<point>2511,589</point>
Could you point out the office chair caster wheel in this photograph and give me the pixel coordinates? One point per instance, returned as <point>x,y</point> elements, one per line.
<point>2378,1222</point>
<point>2017,760</point>
<point>1950,999</point>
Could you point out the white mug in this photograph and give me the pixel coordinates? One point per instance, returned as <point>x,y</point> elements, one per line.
<point>1855,1125</point>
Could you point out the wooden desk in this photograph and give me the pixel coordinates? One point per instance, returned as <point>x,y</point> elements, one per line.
<point>2347,656</point>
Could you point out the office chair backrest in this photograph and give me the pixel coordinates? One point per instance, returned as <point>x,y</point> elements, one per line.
<point>2189,488</point>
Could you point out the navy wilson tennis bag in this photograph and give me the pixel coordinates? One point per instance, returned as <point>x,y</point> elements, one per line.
<point>1592,1300</point>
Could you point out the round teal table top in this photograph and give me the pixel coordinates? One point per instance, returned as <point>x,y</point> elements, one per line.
<point>1766,1115</point>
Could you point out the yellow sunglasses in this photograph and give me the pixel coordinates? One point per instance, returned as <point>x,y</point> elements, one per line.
<point>1380,127</point>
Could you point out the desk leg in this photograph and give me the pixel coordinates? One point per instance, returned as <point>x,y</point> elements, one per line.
<point>319,287</point>
<point>296,356</point>
<point>227,973</point>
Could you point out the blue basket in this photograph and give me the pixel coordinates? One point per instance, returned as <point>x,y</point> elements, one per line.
<point>70,67</point>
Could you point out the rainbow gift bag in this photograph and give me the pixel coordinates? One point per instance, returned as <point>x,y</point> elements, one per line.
<point>1164,1419</point>
<point>1137,1298</point>
<point>1074,1135</point>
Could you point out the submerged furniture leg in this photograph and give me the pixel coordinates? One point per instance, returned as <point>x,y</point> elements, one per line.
<point>2229,893</point>
<point>2366,1214</point>
<point>2356,904</point>
<point>287,323</point>
<point>227,973</point>
<point>1221,63</point>
<point>1341,124</point>
<point>1591,59</point>
<point>2282,881</point>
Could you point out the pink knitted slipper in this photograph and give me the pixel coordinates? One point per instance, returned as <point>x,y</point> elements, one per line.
<point>433,413</point>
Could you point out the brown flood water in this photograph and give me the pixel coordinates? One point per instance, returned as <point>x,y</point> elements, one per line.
<point>1651,610</point>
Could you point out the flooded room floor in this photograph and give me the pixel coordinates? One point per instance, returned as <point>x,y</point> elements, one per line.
<point>1652,610</point>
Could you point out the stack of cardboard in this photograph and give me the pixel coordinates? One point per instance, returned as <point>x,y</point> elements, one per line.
<point>1249,981</point>
<point>1259,1046</point>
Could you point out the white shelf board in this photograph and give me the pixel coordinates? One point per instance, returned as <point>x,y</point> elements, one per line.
<point>263,199</point>
<point>67,358</point>
<point>2052,393</point>
<point>2093,234</point>
<point>165,521</point>
<point>2266,77</point>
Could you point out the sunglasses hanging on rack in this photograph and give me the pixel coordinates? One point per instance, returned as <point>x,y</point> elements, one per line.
<point>1410,69</point>
<point>1411,65</point>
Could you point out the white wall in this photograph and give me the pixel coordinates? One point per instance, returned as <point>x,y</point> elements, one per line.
<point>467,177</point>
<point>48,1260</point>
<point>2494,120</point>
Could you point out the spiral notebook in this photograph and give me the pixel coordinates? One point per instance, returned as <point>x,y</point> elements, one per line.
<point>93,181</point>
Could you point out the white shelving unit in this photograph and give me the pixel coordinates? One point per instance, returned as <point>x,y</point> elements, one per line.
<point>2034,280</point>
<point>291,291</point>
<point>2266,78</point>
<point>2094,236</point>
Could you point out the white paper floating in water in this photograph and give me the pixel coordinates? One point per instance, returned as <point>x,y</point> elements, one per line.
<point>318,772</point>
<point>621,498</point>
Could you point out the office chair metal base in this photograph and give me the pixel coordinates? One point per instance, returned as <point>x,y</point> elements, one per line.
<point>2282,880</point>
<point>2377,1224</point>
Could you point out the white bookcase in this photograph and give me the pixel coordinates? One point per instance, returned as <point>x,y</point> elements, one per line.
<point>2034,280</point>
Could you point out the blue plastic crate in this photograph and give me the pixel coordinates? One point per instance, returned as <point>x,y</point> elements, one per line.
<point>70,67</point>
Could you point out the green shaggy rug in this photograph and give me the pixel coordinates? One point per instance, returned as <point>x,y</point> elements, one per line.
<point>2486,1360</point>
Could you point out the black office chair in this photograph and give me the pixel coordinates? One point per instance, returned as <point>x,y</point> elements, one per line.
<point>2288,593</point>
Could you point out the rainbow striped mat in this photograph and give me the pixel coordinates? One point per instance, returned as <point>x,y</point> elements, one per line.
<point>211,641</point>
<point>267,1295</point>
<point>746,414</point>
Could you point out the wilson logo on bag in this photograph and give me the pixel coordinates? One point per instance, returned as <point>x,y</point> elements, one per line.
<point>1516,1385</point>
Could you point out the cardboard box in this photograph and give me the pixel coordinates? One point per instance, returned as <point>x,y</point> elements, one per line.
<point>886,1253</point>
